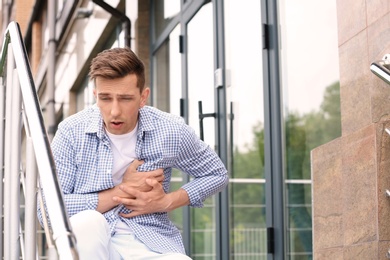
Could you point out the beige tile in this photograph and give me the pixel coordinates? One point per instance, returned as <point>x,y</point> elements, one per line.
<point>326,195</point>
<point>383,180</point>
<point>376,9</point>
<point>359,187</point>
<point>378,35</point>
<point>379,45</point>
<point>330,253</point>
<point>383,249</point>
<point>366,251</point>
<point>355,100</point>
<point>351,18</point>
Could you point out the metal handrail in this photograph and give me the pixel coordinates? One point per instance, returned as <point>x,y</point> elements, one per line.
<point>60,226</point>
<point>381,68</point>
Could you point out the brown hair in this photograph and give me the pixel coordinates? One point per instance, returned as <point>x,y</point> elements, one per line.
<point>117,63</point>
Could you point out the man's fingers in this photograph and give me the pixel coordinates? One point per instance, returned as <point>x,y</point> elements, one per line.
<point>131,214</point>
<point>134,164</point>
<point>152,182</point>
<point>129,190</point>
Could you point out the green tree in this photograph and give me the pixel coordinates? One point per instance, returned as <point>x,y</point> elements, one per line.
<point>304,133</point>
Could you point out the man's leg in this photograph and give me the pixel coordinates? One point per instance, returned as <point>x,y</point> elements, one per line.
<point>92,236</point>
<point>130,248</point>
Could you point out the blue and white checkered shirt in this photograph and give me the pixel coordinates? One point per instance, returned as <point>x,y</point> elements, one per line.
<point>84,161</point>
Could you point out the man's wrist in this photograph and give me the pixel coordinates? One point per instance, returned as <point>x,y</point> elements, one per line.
<point>176,200</point>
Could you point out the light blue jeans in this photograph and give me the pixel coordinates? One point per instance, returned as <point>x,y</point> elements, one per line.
<point>94,241</point>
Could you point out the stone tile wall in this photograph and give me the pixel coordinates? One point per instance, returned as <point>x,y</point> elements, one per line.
<point>351,212</point>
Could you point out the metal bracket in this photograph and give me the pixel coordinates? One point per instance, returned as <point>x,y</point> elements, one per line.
<point>381,68</point>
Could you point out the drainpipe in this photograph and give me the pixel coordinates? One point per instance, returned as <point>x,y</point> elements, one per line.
<point>51,55</point>
<point>116,13</point>
<point>7,6</point>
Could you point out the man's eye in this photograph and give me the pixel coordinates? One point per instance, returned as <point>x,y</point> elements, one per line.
<point>105,98</point>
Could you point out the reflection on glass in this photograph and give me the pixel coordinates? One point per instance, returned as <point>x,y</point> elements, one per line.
<point>201,88</point>
<point>166,92</point>
<point>84,96</point>
<point>201,71</point>
<point>245,130</point>
<point>164,11</point>
<point>311,99</point>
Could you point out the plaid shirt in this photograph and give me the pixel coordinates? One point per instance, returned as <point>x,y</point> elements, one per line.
<point>84,161</point>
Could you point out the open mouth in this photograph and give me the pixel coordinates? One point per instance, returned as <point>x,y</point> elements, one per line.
<point>116,124</point>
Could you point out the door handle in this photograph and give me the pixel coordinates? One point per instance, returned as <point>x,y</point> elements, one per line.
<point>201,117</point>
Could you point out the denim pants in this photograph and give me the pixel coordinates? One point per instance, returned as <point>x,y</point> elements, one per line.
<point>94,241</point>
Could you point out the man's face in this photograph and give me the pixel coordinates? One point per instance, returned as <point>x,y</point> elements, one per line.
<point>119,101</point>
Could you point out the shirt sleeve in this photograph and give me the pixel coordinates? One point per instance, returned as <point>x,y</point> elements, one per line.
<point>201,162</point>
<point>66,167</point>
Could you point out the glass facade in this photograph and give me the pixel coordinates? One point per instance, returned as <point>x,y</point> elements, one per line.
<point>311,106</point>
<point>245,108</point>
<point>201,47</point>
<point>186,72</point>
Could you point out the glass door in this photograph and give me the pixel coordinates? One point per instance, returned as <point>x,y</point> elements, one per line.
<point>183,84</point>
<point>311,105</point>
<point>200,66</point>
<point>245,108</point>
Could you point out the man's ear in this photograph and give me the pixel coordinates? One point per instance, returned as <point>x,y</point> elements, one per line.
<point>144,97</point>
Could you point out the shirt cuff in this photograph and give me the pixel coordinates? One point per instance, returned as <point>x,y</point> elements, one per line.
<point>91,201</point>
<point>194,195</point>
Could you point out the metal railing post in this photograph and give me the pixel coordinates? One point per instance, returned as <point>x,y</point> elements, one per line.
<point>15,167</point>
<point>20,86</point>
<point>7,158</point>
<point>2,120</point>
<point>31,202</point>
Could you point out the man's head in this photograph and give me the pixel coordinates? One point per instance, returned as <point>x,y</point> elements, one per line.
<point>119,90</point>
<point>117,63</point>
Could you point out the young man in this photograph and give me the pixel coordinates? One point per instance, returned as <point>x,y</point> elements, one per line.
<point>114,162</point>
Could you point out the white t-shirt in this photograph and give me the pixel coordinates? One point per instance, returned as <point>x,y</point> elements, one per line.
<point>123,149</point>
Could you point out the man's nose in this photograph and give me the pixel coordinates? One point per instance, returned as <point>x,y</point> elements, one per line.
<point>115,109</point>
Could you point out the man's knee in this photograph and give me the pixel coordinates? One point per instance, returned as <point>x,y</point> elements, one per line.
<point>91,230</point>
<point>89,220</point>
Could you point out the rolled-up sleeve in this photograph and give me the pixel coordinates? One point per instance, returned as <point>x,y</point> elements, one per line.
<point>197,159</point>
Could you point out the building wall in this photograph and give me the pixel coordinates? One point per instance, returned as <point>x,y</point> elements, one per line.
<point>23,12</point>
<point>350,175</point>
<point>83,41</point>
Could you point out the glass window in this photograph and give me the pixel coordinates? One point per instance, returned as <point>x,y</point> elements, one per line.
<point>201,88</point>
<point>164,11</point>
<point>84,97</point>
<point>245,129</point>
<point>166,92</point>
<point>311,102</point>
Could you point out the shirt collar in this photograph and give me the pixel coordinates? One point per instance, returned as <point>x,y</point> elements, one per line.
<point>96,126</point>
<point>145,122</point>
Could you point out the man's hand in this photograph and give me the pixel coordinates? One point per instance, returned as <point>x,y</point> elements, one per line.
<point>132,179</point>
<point>155,200</point>
<point>137,180</point>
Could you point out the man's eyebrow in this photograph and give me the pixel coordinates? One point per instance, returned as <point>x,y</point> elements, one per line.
<point>119,95</point>
<point>125,95</point>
